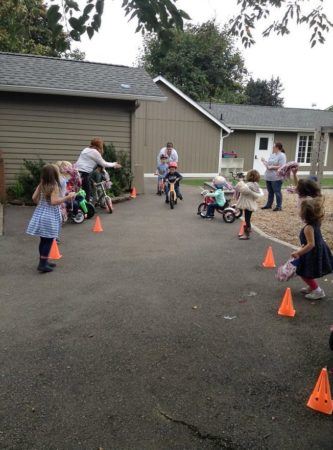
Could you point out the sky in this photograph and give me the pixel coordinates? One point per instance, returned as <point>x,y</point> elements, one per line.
<point>306,74</point>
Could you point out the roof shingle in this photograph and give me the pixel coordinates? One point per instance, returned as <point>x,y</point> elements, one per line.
<point>28,73</point>
<point>269,117</point>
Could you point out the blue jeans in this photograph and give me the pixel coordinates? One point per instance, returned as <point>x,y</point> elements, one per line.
<point>211,208</point>
<point>274,187</point>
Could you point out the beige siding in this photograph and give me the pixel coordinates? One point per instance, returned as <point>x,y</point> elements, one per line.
<point>196,138</point>
<point>55,128</point>
<point>241,142</point>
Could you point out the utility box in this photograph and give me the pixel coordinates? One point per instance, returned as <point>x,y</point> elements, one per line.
<point>231,165</point>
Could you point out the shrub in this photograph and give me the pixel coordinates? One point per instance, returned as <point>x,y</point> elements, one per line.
<point>121,178</point>
<point>27,180</point>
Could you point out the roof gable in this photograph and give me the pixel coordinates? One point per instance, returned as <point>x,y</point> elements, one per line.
<point>39,74</point>
<point>252,117</point>
<point>192,103</point>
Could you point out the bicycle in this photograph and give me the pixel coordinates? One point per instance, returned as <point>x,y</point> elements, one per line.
<point>172,196</point>
<point>228,213</point>
<point>101,198</point>
<point>160,185</point>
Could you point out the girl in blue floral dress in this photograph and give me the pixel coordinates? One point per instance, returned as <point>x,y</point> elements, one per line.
<point>46,219</point>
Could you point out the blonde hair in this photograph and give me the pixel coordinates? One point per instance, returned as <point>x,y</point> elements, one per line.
<point>63,166</point>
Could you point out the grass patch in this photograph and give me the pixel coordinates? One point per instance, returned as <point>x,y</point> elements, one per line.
<point>325,182</point>
<point>194,181</point>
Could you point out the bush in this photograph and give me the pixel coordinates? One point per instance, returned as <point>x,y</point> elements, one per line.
<point>121,178</point>
<point>27,181</point>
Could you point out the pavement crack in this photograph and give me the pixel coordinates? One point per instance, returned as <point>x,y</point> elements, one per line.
<point>221,441</point>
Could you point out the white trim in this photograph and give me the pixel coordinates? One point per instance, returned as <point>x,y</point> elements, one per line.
<point>193,103</point>
<point>78,93</point>
<point>187,175</point>
<point>327,172</point>
<point>270,128</point>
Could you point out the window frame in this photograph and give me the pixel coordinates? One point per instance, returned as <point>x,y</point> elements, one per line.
<point>297,149</point>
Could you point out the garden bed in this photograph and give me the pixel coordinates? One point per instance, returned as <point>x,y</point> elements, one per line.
<point>286,224</point>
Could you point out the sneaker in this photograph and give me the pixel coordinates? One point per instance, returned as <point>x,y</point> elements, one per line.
<point>266,207</point>
<point>51,264</point>
<point>44,268</point>
<point>167,201</point>
<point>180,197</point>
<point>209,217</point>
<point>315,295</point>
<point>244,237</point>
<point>277,209</point>
<point>305,290</point>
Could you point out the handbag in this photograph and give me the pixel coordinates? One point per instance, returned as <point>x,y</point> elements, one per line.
<point>287,270</point>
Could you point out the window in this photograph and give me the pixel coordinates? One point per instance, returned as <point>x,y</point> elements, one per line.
<point>263,143</point>
<point>304,148</point>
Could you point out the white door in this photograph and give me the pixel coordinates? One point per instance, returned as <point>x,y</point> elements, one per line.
<point>262,149</point>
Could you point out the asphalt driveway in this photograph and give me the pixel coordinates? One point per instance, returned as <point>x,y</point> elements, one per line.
<point>159,333</point>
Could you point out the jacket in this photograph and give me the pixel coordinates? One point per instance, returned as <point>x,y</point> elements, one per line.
<point>249,193</point>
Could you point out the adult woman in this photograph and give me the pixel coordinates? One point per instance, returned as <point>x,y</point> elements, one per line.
<point>89,158</point>
<point>273,180</point>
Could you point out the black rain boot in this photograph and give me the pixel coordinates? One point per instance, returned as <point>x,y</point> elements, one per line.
<point>43,266</point>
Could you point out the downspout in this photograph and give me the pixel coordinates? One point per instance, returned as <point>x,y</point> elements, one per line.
<point>221,148</point>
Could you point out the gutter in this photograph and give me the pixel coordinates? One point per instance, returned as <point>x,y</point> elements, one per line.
<point>270,128</point>
<point>76,93</point>
<point>221,148</point>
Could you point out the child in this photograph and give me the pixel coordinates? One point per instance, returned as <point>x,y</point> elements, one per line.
<point>46,219</point>
<point>314,257</point>
<point>306,188</point>
<point>218,194</point>
<point>161,171</point>
<point>63,167</point>
<point>172,176</point>
<point>100,175</point>
<point>249,192</point>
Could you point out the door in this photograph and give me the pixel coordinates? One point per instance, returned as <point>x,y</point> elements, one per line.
<point>262,149</point>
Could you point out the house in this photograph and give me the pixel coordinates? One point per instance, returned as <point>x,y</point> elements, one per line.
<point>256,128</point>
<point>50,108</point>
<point>196,133</point>
<point>203,132</point>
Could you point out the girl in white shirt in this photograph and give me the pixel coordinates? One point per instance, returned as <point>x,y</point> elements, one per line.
<point>89,158</point>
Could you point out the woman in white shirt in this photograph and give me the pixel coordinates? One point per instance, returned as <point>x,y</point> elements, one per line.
<point>273,179</point>
<point>89,158</point>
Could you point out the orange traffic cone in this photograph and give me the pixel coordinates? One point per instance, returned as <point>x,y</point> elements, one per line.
<point>97,228</point>
<point>269,262</point>
<point>320,399</point>
<point>287,307</point>
<point>241,230</point>
<point>133,193</point>
<point>54,252</point>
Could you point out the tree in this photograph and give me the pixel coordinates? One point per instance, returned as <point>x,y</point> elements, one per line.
<point>330,108</point>
<point>253,11</point>
<point>158,16</point>
<point>263,92</point>
<point>24,28</point>
<point>201,61</point>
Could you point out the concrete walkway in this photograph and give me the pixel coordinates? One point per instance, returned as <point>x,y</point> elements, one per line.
<point>160,333</point>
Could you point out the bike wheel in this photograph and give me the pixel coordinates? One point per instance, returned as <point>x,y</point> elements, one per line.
<point>228,216</point>
<point>202,210</point>
<point>78,217</point>
<point>108,204</point>
<point>172,200</point>
<point>238,212</point>
<point>91,210</point>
